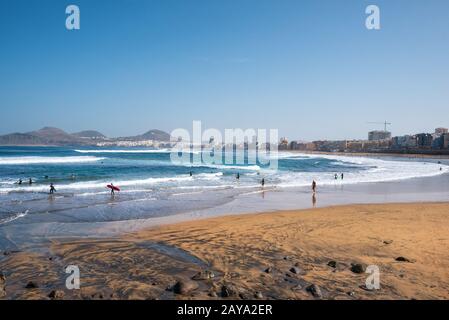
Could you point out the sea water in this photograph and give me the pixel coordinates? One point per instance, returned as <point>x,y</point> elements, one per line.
<point>153,186</point>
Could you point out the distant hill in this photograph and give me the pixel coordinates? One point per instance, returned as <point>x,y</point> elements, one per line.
<point>24,139</point>
<point>89,134</point>
<point>56,137</point>
<point>154,134</point>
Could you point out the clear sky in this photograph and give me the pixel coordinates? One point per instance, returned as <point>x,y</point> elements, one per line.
<point>309,68</point>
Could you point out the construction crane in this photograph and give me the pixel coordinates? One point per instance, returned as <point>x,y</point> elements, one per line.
<point>384,123</point>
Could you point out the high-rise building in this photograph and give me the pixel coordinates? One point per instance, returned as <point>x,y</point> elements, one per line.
<point>441,131</point>
<point>445,141</point>
<point>424,140</point>
<point>379,135</point>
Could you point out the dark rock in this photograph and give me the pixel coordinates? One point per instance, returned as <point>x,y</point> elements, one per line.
<point>258,295</point>
<point>243,296</point>
<point>184,287</point>
<point>97,296</point>
<point>332,264</point>
<point>403,259</point>
<point>268,270</point>
<point>31,285</point>
<point>295,270</point>
<point>358,267</point>
<point>388,241</point>
<point>228,291</point>
<point>213,294</point>
<point>204,275</point>
<point>315,291</point>
<point>2,279</point>
<point>56,295</point>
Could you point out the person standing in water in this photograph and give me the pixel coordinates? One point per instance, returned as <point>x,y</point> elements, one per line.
<point>263,182</point>
<point>30,181</point>
<point>52,188</point>
<point>190,173</point>
<point>112,189</point>
<point>342,176</point>
<point>314,186</point>
<point>19,182</point>
<point>237,176</point>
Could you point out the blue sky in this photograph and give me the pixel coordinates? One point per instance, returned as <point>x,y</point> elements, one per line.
<point>309,68</point>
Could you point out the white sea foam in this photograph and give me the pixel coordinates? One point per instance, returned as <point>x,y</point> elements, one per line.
<point>129,151</point>
<point>123,151</point>
<point>46,160</point>
<point>14,217</point>
<point>372,170</point>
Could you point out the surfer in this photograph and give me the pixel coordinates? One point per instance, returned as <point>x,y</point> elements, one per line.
<point>342,176</point>
<point>237,176</point>
<point>45,177</point>
<point>19,182</point>
<point>52,188</point>
<point>30,181</point>
<point>191,174</point>
<point>314,186</point>
<point>112,189</point>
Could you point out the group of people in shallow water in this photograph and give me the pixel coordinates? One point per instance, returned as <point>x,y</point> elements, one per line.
<point>52,187</point>
<point>30,181</point>
<point>342,176</point>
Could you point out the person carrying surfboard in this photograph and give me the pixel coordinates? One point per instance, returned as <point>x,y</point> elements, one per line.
<point>112,189</point>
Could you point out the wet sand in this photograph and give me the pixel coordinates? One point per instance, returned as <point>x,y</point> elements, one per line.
<point>278,255</point>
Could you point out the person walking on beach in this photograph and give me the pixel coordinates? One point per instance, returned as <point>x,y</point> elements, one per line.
<point>112,189</point>
<point>314,186</point>
<point>336,176</point>
<point>342,176</point>
<point>263,182</point>
<point>52,188</point>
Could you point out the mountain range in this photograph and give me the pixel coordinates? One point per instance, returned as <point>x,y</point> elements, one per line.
<point>49,136</point>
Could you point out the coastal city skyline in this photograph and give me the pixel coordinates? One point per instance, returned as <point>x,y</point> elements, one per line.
<point>159,65</point>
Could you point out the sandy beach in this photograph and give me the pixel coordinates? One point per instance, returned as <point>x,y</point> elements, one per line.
<point>298,254</point>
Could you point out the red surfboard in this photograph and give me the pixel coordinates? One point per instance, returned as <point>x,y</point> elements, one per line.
<point>113,187</point>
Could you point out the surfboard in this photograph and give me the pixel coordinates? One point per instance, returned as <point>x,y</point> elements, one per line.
<point>113,187</point>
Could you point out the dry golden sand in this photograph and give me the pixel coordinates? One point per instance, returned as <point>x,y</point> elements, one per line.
<point>238,249</point>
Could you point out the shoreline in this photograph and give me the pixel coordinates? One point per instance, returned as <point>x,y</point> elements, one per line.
<point>374,154</point>
<point>270,255</point>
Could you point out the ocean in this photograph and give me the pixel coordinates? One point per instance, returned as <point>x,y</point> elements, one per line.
<point>152,186</point>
